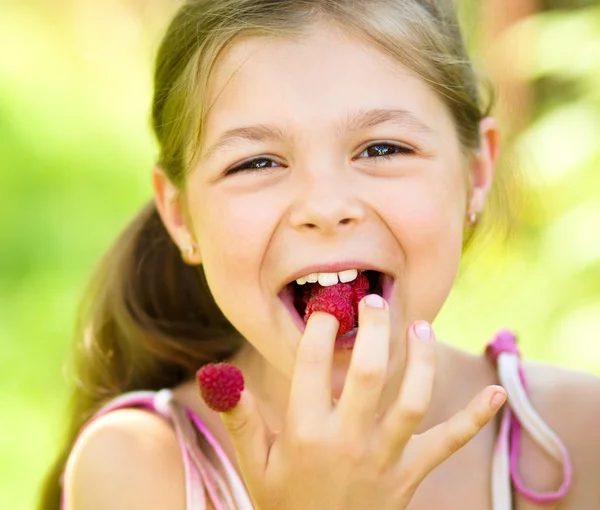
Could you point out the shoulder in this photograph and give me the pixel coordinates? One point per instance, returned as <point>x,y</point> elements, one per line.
<point>126,459</point>
<point>569,402</point>
<point>570,399</point>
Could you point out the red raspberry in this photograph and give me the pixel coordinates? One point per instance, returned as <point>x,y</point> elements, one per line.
<point>358,295</point>
<point>221,385</point>
<point>361,289</point>
<point>361,282</point>
<point>335,300</point>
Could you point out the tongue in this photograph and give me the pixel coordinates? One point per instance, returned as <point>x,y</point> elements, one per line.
<point>340,300</point>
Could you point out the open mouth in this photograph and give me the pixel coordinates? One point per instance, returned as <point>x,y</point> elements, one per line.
<point>295,296</point>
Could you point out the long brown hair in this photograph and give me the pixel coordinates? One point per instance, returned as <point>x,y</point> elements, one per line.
<point>149,320</point>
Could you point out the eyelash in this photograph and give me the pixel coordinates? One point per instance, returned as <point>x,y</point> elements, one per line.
<point>246,165</point>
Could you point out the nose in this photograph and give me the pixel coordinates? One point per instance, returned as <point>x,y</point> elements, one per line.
<point>325,203</point>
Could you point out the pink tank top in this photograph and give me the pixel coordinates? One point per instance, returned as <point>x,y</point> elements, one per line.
<point>204,481</point>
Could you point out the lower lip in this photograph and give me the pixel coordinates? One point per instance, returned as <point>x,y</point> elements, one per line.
<point>342,342</point>
<point>346,341</point>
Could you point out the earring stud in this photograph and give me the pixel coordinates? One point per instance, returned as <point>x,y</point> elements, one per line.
<point>473,218</point>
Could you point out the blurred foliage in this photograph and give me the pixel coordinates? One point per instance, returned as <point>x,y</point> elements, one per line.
<point>546,284</point>
<point>75,154</point>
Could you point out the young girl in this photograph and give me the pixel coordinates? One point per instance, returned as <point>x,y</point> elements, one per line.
<point>306,144</point>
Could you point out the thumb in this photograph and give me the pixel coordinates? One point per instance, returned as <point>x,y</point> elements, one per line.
<point>221,387</point>
<point>249,435</point>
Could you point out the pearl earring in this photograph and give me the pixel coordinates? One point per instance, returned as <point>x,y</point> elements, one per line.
<point>473,218</point>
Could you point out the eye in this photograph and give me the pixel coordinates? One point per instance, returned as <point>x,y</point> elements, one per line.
<point>385,150</point>
<point>253,165</point>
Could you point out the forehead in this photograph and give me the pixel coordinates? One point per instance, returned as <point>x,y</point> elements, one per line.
<point>315,80</point>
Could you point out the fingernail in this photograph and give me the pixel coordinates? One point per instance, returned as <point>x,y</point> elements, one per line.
<point>423,330</point>
<point>497,401</point>
<point>375,301</point>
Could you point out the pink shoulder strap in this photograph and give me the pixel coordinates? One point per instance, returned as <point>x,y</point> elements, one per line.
<point>201,476</point>
<point>518,414</point>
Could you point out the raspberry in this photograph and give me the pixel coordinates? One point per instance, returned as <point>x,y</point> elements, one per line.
<point>361,282</point>
<point>221,385</point>
<point>340,300</point>
<point>336,300</point>
<point>361,288</point>
<point>358,295</point>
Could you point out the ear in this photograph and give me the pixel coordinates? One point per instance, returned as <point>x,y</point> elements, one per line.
<point>483,165</point>
<point>171,207</point>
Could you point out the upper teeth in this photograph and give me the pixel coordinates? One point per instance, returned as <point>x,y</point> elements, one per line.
<point>328,279</point>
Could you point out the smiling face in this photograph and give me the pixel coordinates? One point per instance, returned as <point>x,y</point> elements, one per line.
<point>321,150</point>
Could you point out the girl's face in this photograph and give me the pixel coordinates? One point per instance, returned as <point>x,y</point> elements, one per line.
<point>324,150</point>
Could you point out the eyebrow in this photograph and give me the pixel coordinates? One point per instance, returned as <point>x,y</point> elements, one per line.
<point>360,120</point>
<point>365,119</point>
<point>258,133</point>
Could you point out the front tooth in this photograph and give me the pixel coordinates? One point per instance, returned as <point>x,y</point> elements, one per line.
<point>312,278</point>
<point>302,281</point>
<point>328,279</point>
<point>348,275</point>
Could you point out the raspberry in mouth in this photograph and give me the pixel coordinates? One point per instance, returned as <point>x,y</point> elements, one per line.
<point>340,300</point>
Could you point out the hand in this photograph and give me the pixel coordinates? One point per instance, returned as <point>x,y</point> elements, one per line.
<point>345,457</point>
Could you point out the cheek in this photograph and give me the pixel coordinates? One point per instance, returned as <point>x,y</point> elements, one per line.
<point>432,225</point>
<point>427,220</point>
<point>233,234</point>
<point>428,212</point>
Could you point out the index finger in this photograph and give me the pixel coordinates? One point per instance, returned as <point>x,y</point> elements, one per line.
<point>310,392</point>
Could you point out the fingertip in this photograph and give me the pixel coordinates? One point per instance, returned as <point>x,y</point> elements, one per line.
<point>498,398</point>
<point>373,301</point>
<point>238,416</point>
<point>320,316</point>
<point>423,331</point>
<point>496,388</point>
<point>248,432</point>
<point>373,310</point>
<point>322,320</point>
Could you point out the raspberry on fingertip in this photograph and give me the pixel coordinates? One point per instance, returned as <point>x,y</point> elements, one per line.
<point>221,386</point>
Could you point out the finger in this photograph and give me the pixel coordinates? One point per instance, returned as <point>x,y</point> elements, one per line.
<point>249,435</point>
<point>310,392</point>
<point>440,442</point>
<point>404,415</point>
<point>366,376</point>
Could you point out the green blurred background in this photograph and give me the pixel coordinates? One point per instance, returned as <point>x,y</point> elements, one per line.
<point>76,150</point>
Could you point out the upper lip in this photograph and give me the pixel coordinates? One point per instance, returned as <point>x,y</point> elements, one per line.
<point>334,267</point>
